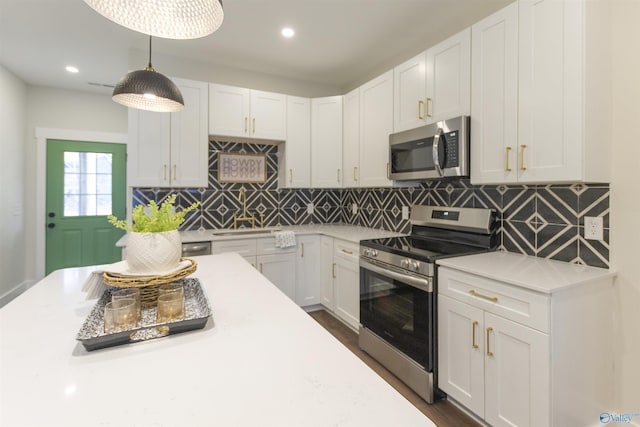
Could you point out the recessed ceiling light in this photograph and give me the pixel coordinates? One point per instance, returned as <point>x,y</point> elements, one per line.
<point>288,32</point>
<point>72,69</point>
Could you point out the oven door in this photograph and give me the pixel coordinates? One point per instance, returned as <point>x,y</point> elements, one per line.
<point>398,307</point>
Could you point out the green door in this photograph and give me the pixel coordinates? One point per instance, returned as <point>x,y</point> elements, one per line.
<point>85,182</point>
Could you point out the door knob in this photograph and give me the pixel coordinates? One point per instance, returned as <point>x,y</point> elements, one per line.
<point>52,214</point>
<point>51,225</point>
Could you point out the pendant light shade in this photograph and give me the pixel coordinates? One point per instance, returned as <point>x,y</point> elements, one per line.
<point>171,19</point>
<point>148,90</point>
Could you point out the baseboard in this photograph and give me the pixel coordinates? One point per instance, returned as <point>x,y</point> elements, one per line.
<point>10,295</point>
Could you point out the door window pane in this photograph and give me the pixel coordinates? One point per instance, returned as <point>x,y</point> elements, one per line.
<point>87,183</point>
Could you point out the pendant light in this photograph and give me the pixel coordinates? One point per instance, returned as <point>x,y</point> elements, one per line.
<point>170,19</point>
<point>148,90</point>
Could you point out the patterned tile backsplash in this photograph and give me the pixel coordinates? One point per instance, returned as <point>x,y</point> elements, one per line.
<point>542,220</point>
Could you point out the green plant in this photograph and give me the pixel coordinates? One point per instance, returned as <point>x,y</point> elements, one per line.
<point>153,218</point>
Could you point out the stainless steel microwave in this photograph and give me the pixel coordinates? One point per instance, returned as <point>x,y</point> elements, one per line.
<point>437,150</point>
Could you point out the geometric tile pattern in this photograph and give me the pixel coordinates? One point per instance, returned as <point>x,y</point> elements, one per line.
<point>540,220</point>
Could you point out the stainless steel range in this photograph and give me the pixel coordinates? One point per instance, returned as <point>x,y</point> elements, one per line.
<point>398,282</point>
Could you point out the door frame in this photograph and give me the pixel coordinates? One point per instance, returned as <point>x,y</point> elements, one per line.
<point>42,135</point>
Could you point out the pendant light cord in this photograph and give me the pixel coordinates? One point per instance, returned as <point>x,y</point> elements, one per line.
<point>150,52</point>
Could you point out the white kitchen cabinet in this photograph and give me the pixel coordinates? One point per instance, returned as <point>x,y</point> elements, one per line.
<point>346,285</point>
<point>326,142</point>
<point>295,154</point>
<point>563,86</point>
<point>409,93</point>
<point>494,97</point>
<point>448,69</point>
<point>308,275</point>
<point>170,149</point>
<point>434,85</point>
<point>376,123</point>
<point>326,272</point>
<point>351,138</point>
<point>526,343</point>
<point>241,112</point>
<point>280,269</point>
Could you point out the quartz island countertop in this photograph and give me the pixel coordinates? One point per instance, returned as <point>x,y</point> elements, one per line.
<point>260,361</point>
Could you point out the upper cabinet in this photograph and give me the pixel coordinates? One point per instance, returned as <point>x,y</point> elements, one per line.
<point>326,142</point>
<point>564,85</point>
<point>249,113</point>
<point>170,149</point>
<point>376,123</point>
<point>295,154</point>
<point>494,96</point>
<point>351,138</point>
<point>434,85</point>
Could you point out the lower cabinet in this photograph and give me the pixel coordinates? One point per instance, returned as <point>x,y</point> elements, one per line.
<point>326,272</point>
<point>308,270</point>
<point>516,356</point>
<point>346,282</point>
<point>280,269</point>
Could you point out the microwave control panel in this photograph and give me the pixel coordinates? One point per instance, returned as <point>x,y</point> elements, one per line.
<point>451,159</point>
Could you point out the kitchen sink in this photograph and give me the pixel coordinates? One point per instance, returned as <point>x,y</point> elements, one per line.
<point>245,232</point>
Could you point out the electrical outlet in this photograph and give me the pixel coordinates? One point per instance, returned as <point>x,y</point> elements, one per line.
<point>405,212</point>
<point>310,208</point>
<point>354,208</point>
<point>593,228</point>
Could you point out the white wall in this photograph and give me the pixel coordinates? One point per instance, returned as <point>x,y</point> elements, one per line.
<point>67,110</point>
<point>13,110</point>
<point>625,199</point>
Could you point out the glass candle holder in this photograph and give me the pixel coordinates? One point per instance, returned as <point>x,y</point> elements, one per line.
<point>170,288</point>
<point>120,315</point>
<point>131,293</point>
<point>170,307</point>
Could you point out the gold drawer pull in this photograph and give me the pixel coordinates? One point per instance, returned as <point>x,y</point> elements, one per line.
<point>489,352</point>
<point>475,294</point>
<point>508,149</point>
<point>347,252</point>
<point>420,104</point>
<point>522,167</point>
<point>427,107</point>
<point>473,331</point>
<point>333,270</point>
<point>355,173</point>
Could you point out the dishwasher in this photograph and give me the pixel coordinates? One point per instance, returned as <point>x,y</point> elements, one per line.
<point>196,248</point>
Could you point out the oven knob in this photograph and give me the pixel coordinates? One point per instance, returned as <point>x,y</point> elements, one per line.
<point>374,253</point>
<point>366,252</point>
<point>404,263</point>
<point>415,265</point>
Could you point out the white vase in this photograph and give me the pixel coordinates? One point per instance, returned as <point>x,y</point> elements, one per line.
<point>153,253</point>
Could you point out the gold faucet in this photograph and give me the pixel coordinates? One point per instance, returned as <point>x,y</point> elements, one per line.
<point>242,197</point>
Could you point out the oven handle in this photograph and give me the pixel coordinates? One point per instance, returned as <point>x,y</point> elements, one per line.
<point>391,273</point>
<point>436,157</point>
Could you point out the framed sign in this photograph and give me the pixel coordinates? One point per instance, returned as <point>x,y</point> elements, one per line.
<point>242,168</point>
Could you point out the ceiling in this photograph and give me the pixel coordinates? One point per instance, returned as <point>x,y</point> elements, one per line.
<point>338,43</point>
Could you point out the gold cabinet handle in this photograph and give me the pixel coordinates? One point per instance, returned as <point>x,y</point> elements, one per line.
<point>427,107</point>
<point>260,267</point>
<point>175,172</point>
<point>302,249</point>
<point>473,332</point>
<point>333,270</point>
<point>489,352</point>
<point>476,294</point>
<point>290,176</point>
<point>388,172</point>
<point>522,147</point>
<point>346,252</point>
<point>254,125</point>
<point>338,175</point>
<point>420,104</point>
<point>508,150</point>
<point>355,173</point>
<point>245,124</point>
<point>165,173</point>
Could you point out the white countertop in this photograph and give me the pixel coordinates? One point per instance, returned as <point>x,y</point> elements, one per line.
<point>537,274</point>
<point>351,233</point>
<point>262,361</point>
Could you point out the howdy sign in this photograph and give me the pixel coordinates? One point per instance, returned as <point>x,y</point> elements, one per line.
<point>242,168</point>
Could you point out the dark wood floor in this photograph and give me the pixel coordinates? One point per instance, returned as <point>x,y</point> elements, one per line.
<point>442,413</point>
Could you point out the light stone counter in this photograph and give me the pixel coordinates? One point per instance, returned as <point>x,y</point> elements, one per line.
<point>261,362</point>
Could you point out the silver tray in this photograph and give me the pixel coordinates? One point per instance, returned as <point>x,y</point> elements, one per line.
<point>196,314</point>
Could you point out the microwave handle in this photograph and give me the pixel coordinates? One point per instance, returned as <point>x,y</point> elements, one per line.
<point>436,157</point>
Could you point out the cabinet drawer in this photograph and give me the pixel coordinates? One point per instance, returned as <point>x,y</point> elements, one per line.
<point>346,250</point>
<point>267,246</point>
<point>511,302</point>
<point>245,247</point>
